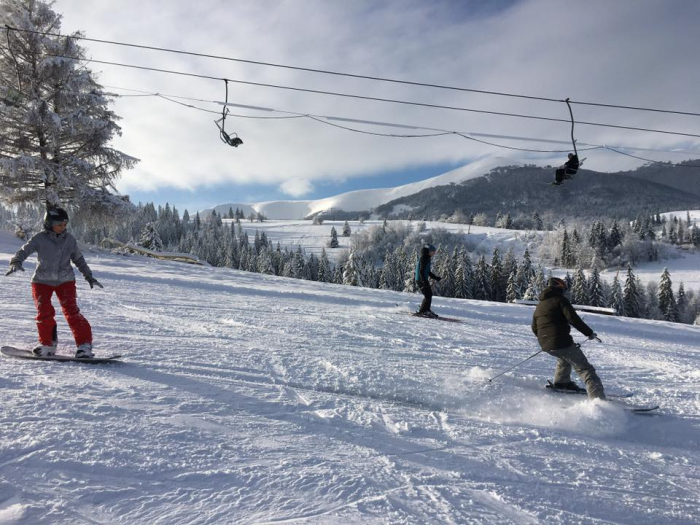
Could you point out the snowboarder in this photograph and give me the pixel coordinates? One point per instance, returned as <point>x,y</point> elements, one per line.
<point>423,274</point>
<point>55,249</point>
<point>568,170</point>
<point>550,323</point>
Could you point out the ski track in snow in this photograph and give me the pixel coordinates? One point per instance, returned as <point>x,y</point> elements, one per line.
<point>245,398</point>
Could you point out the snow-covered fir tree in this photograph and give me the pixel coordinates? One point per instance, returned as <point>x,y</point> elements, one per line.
<point>150,238</point>
<point>334,238</point>
<point>596,294</point>
<point>351,274</point>
<point>617,300</point>
<point>57,130</point>
<point>667,302</point>
<point>579,288</point>
<point>631,294</point>
<point>346,229</point>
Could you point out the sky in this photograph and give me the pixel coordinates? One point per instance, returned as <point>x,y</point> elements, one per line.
<point>624,52</point>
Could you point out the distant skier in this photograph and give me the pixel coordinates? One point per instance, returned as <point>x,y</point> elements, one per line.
<point>550,323</point>
<point>55,249</point>
<point>568,170</point>
<point>423,274</point>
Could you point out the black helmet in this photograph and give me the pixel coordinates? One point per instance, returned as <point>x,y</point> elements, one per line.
<point>557,283</point>
<point>430,248</point>
<point>55,216</point>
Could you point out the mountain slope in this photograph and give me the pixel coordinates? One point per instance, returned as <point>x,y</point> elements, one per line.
<point>527,189</point>
<point>246,398</point>
<point>360,200</point>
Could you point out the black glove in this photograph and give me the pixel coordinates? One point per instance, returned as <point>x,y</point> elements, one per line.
<point>593,336</point>
<point>92,282</point>
<point>14,268</point>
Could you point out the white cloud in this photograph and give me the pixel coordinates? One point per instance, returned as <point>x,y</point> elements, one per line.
<point>296,187</point>
<point>623,52</point>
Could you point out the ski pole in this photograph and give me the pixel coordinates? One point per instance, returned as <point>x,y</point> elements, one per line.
<point>515,366</point>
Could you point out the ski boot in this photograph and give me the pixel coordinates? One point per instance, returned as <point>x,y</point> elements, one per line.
<point>44,350</point>
<point>569,385</point>
<point>84,351</point>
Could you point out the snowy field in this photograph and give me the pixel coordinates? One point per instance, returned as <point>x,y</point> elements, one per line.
<point>313,238</point>
<point>245,398</point>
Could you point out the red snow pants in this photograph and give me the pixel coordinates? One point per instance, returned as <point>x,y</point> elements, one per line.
<point>45,322</point>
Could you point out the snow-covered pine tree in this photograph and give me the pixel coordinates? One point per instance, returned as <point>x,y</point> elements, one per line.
<point>150,238</point>
<point>567,254</point>
<point>346,229</point>
<point>596,293</point>
<point>334,238</point>
<point>55,135</point>
<point>464,276</point>
<point>667,302</point>
<point>511,289</point>
<point>298,264</point>
<point>540,279</point>
<point>482,290</point>
<point>351,274</point>
<point>579,288</point>
<point>682,305</point>
<point>498,291</point>
<point>631,294</point>
<point>617,300</point>
<point>325,274</point>
<point>538,221</point>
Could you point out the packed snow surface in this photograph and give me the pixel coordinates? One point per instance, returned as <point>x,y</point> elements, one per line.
<point>245,398</point>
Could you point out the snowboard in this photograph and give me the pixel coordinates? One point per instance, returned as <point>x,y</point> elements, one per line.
<point>550,386</point>
<point>439,318</point>
<point>10,351</point>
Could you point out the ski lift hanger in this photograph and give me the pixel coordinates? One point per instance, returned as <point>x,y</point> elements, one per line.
<point>226,138</point>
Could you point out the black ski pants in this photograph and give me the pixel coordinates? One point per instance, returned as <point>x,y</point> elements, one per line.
<point>427,292</point>
<point>563,173</point>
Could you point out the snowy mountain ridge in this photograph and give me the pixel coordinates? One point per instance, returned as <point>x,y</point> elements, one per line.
<point>361,200</point>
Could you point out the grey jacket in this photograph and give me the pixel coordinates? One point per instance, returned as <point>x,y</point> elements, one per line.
<point>54,254</point>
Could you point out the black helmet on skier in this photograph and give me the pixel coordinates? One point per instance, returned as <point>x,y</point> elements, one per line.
<point>54,216</point>
<point>555,282</point>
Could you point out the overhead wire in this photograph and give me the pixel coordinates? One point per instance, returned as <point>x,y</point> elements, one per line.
<point>378,99</point>
<point>439,132</point>
<point>353,75</point>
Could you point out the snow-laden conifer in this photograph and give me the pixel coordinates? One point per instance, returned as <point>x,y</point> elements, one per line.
<point>55,133</point>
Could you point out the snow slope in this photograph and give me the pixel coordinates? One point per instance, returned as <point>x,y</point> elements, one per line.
<point>246,398</point>
<point>314,237</point>
<point>362,200</point>
<point>683,215</point>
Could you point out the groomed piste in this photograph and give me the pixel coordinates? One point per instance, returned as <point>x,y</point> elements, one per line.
<point>246,398</point>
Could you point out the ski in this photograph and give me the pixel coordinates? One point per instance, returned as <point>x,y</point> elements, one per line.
<point>550,386</point>
<point>439,318</point>
<point>10,351</point>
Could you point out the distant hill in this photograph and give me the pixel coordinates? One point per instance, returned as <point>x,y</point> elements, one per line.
<point>683,177</point>
<point>360,200</point>
<point>523,190</point>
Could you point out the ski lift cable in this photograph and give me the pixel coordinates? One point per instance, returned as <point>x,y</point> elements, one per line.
<point>675,165</point>
<point>440,132</point>
<point>372,122</point>
<point>377,99</point>
<point>353,75</point>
